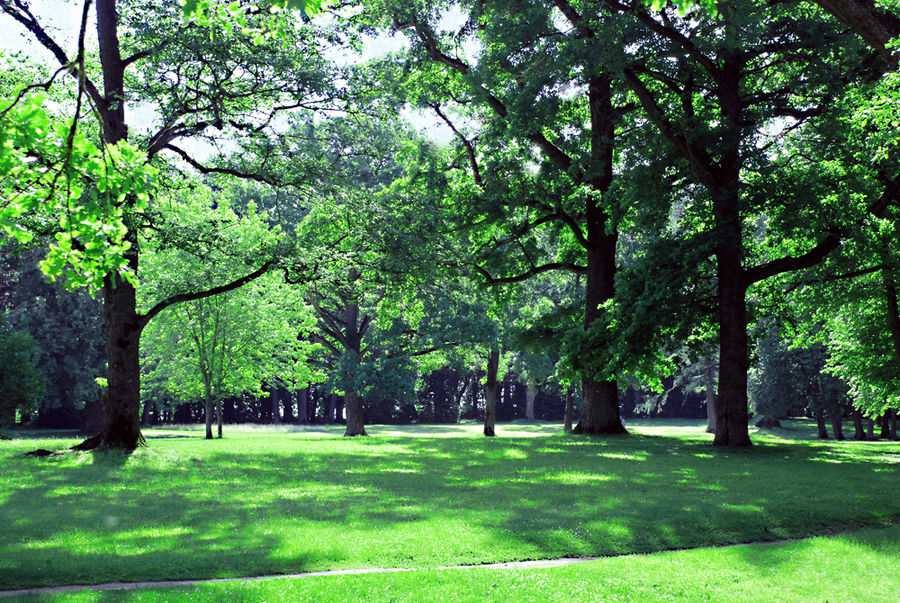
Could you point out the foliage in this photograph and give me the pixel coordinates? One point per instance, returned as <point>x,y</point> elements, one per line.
<point>67,327</point>
<point>21,384</point>
<point>233,342</point>
<point>77,184</point>
<point>790,379</point>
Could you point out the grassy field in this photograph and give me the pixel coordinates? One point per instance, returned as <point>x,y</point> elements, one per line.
<point>286,500</point>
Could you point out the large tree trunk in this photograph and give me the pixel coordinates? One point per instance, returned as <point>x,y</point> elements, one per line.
<point>473,390</point>
<point>870,430</point>
<point>302,408</point>
<point>356,424</point>
<point>837,424</point>
<point>889,424</point>
<point>710,383</point>
<point>220,419</point>
<point>530,395</point>
<point>275,404</point>
<point>875,25</point>
<point>600,409</point>
<point>145,414</point>
<point>331,411</point>
<point>570,411</point>
<point>732,415</point>
<point>122,402</point>
<point>893,424</point>
<point>490,392</point>
<point>352,402</point>
<point>120,405</point>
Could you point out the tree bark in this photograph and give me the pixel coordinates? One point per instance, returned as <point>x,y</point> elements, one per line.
<point>302,409</point>
<point>732,415</point>
<point>287,406</point>
<point>530,395</point>
<point>859,430</point>
<point>874,25</point>
<point>208,416</point>
<point>474,394</point>
<point>893,424</point>
<point>837,424</point>
<point>870,431</point>
<point>490,392</point>
<point>330,416</point>
<point>145,414</point>
<point>600,408</point>
<point>219,417</point>
<point>820,423</point>
<point>356,424</point>
<point>710,383</point>
<point>570,411</point>
<point>888,424</point>
<point>353,346</point>
<point>275,403</point>
<point>121,405</point>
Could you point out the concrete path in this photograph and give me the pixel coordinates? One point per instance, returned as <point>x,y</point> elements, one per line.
<point>368,570</point>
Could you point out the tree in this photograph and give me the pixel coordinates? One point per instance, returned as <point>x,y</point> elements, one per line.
<point>101,227</point>
<point>715,133</point>
<point>229,344</point>
<point>67,330</point>
<point>561,117</point>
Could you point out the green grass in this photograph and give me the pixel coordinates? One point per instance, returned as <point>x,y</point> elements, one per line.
<point>263,501</point>
<point>857,567</point>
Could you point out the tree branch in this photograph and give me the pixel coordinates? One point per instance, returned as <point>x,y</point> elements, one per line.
<point>492,281</point>
<point>18,10</point>
<point>204,169</point>
<point>470,150</point>
<point>185,297</point>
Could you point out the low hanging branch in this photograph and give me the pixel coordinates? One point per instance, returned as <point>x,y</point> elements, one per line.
<point>186,297</point>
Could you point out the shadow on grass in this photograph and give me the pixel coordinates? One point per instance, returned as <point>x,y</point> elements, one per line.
<point>197,509</point>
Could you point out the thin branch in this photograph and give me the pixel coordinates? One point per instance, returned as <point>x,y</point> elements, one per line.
<point>204,169</point>
<point>492,281</point>
<point>18,10</point>
<point>470,149</point>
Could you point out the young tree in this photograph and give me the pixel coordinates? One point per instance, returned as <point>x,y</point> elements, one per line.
<point>229,344</point>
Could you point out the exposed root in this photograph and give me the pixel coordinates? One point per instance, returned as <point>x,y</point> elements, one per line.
<point>92,443</point>
<point>40,452</point>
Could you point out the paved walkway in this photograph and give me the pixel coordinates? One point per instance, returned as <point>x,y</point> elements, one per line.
<point>367,570</point>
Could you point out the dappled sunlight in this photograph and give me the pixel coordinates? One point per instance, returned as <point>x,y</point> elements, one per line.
<point>623,456</point>
<point>574,478</point>
<point>257,503</point>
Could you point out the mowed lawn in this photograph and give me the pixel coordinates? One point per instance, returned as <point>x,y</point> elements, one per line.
<point>267,501</point>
